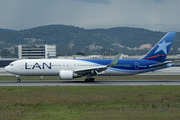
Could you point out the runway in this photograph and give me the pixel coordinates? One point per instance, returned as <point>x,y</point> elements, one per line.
<point>95,83</point>
<point>168,71</point>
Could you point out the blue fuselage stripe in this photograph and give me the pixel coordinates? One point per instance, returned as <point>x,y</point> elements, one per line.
<point>124,64</point>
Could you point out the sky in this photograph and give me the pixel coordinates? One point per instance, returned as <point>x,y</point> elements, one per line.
<point>156,15</point>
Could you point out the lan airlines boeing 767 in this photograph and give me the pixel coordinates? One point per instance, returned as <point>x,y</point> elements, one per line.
<point>68,69</point>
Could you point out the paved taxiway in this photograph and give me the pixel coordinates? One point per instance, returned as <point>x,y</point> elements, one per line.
<point>95,83</point>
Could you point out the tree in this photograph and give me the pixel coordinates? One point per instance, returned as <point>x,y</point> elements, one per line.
<point>80,53</point>
<point>5,53</point>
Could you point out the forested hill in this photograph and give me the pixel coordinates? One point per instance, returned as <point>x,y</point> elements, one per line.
<point>70,39</point>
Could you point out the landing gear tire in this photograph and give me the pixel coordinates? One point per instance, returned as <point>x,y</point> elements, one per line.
<point>89,80</point>
<point>86,80</point>
<point>92,80</point>
<point>18,80</point>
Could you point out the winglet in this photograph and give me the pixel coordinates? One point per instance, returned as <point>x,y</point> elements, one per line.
<point>114,62</point>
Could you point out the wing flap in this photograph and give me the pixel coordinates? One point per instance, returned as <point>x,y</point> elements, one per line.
<point>87,70</point>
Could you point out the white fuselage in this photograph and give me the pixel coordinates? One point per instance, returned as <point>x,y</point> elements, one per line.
<point>48,67</point>
<point>52,67</point>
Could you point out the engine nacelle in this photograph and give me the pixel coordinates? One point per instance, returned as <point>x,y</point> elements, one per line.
<point>67,75</point>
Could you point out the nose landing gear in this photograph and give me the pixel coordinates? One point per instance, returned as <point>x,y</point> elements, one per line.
<point>18,78</point>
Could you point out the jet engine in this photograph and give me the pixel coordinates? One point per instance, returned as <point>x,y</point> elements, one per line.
<point>67,75</point>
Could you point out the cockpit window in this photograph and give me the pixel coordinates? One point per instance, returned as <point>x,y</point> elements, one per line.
<point>11,64</point>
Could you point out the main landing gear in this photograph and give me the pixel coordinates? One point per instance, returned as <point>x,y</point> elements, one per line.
<point>18,78</point>
<point>89,80</point>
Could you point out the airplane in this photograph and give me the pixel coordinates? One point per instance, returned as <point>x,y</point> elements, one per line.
<point>68,69</point>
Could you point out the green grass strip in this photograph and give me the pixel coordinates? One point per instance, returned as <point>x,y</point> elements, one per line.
<point>90,102</point>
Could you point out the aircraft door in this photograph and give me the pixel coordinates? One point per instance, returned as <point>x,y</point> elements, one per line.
<point>136,65</point>
<point>21,66</point>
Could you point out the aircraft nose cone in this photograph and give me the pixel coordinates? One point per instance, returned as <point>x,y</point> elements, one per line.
<point>7,68</point>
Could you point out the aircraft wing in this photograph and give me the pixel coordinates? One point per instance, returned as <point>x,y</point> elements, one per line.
<point>97,69</point>
<point>160,64</point>
<point>89,70</point>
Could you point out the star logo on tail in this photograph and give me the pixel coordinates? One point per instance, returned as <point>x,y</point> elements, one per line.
<point>162,46</point>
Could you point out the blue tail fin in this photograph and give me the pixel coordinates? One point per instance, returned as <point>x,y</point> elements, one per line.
<point>161,49</point>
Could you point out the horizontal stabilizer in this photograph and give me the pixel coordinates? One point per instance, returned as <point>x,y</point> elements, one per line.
<point>160,64</point>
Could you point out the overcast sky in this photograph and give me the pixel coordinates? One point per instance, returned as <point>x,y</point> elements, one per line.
<point>156,15</point>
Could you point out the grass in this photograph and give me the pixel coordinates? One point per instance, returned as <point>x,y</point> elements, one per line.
<point>90,102</point>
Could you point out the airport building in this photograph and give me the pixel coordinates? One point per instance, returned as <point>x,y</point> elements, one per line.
<point>36,51</point>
